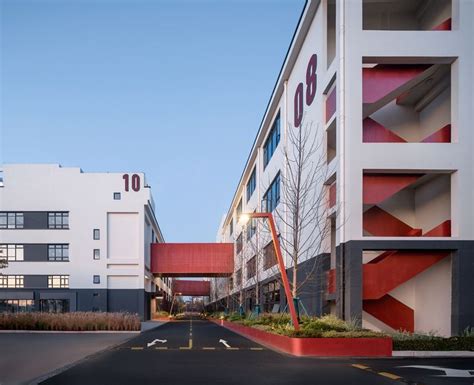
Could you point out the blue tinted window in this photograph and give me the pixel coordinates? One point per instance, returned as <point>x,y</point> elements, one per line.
<point>251,184</point>
<point>272,196</point>
<point>272,141</point>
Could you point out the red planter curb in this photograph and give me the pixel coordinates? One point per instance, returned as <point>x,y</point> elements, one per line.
<point>316,347</point>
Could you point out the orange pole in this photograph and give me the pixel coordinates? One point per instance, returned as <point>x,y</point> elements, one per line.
<point>281,265</point>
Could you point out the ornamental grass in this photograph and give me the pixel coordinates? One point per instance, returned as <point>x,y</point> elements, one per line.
<point>74,321</point>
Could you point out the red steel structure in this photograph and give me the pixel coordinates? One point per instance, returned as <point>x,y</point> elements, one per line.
<point>192,259</point>
<point>192,288</point>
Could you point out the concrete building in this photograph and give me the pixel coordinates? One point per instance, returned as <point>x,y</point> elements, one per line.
<point>77,241</point>
<point>385,90</point>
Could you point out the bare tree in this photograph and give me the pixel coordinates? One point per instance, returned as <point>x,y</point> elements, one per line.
<point>303,210</point>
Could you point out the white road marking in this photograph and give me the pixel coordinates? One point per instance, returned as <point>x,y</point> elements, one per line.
<point>154,342</point>
<point>448,372</point>
<point>221,341</point>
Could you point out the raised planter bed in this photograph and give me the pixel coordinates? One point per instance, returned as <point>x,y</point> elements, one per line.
<point>316,347</point>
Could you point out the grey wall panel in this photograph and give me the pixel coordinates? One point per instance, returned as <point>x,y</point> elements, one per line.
<point>126,300</point>
<point>7,294</point>
<point>35,220</point>
<point>35,252</point>
<point>36,281</point>
<point>91,299</point>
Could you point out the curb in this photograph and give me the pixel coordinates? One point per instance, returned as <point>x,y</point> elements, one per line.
<point>431,354</point>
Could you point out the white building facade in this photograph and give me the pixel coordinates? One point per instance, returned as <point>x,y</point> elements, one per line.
<point>386,89</point>
<point>77,241</point>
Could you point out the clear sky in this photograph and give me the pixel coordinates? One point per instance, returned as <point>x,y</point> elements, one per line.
<point>176,89</point>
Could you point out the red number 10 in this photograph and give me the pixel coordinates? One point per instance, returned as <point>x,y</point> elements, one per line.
<point>135,182</point>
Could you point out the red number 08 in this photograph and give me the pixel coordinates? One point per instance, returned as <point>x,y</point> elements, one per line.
<point>311,83</point>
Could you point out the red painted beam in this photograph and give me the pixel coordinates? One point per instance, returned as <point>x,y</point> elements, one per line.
<point>374,132</point>
<point>442,230</point>
<point>379,187</point>
<point>444,26</point>
<point>331,281</point>
<point>332,195</point>
<point>382,277</point>
<point>192,288</point>
<point>330,105</point>
<point>391,312</point>
<point>192,259</point>
<point>384,79</point>
<point>443,135</point>
<point>380,223</point>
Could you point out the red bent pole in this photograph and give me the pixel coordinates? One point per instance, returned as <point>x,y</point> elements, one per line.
<point>281,265</point>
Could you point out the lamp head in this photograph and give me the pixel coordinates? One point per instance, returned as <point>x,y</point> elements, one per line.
<point>244,218</point>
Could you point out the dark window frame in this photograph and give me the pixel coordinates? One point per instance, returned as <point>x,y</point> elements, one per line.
<point>96,279</point>
<point>94,232</point>
<point>251,184</point>
<point>272,141</point>
<point>12,220</point>
<point>58,220</point>
<point>117,196</point>
<point>61,252</point>
<point>271,198</point>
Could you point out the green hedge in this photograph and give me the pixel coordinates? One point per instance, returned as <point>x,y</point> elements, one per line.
<point>434,343</point>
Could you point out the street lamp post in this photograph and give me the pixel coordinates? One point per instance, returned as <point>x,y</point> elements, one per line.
<point>281,265</point>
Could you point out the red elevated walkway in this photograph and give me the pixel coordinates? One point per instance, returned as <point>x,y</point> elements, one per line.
<point>191,288</point>
<point>192,259</point>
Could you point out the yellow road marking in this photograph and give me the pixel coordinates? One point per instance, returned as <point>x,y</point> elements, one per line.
<point>390,375</point>
<point>208,348</point>
<point>190,343</point>
<point>359,366</point>
<point>137,348</point>
<point>184,348</point>
<point>256,348</point>
<point>161,348</point>
<point>232,348</point>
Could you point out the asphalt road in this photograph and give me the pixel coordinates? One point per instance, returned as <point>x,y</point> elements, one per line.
<point>194,353</point>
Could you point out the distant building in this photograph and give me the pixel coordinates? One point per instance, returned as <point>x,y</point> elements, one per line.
<point>77,241</point>
<point>387,87</point>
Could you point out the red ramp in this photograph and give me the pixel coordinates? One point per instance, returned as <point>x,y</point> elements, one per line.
<point>192,259</point>
<point>192,288</point>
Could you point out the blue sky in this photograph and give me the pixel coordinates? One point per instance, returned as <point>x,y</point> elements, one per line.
<point>176,89</point>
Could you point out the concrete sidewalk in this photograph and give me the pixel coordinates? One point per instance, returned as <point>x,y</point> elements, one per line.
<point>28,356</point>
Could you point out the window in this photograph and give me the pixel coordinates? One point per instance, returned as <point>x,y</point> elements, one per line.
<point>117,196</point>
<point>11,281</point>
<point>271,295</point>
<point>238,277</point>
<point>58,220</point>
<point>251,228</point>
<point>231,226</point>
<point>96,279</point>
<point>96,253</point>
<point>239,209</point>
<point>58,253</point>
<point>16,305</point>
<point>11,252</point>
<point>11,220</point>
<point>231,283</point>
<point>58,281</point>
<point>269,256</point>
<point>54,305</point>
<point>251,267</point>
<point>251,184</point>
<point>272,196</point>
<point>96,234</point>
<point>238,244</point>
<point>272,141</point>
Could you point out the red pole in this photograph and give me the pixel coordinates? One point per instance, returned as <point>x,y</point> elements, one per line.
<point>281,265</point>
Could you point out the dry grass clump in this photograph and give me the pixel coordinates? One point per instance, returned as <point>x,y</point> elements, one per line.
<point>75,321</point>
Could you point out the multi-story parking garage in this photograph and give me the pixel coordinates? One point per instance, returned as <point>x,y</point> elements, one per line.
<point>77,241</point>
<point>370,125</point>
